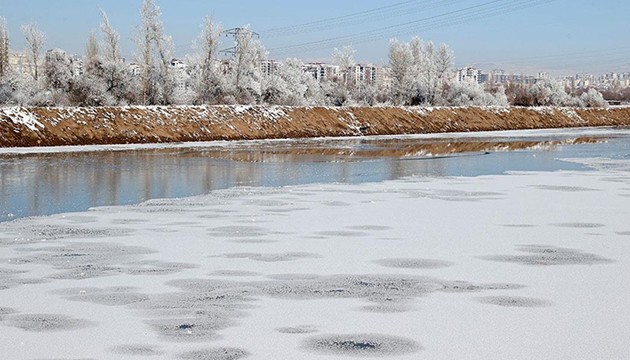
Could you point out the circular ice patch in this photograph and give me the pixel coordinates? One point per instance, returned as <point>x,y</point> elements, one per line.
<point>579,225</point>
<point>301,329</point>
<point>6,311</point>
<point>47,322</point>
<point>408,263</point>
<point>514,301</point>
<point>373,345</point>
<point>234,273</point>
<point>549,255</point>
<point>136,350</point>
<point>113,296</point>
<point>224,353</point>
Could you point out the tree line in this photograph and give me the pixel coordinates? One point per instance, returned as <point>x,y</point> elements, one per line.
<point>420,73</point>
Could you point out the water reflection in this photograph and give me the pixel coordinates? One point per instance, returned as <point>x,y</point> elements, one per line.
<point>43,184</point>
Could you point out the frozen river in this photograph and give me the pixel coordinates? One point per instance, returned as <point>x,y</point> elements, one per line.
<point>321,249</point>
<point>46,181</point>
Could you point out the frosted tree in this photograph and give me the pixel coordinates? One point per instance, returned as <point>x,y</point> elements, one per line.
<point>419,71</point>
<point>338,89</point>
<point>290,85</point>
<point>344,58</point>
<point>206,73</point>
<point>113,71</point>
<point>427,70</point>
<point>111,40</point>
<point>401,62</point>
<point>156,82</point>
<point>433,66</point>
<point>35,40</point>
<point>58,70</point>
<point>29,88</point>
<point>246,73</point>
<point>4,47</point>
<point>92,53</point>
<point>443,61</point>
<point>5,88</point>
<point>145,39</point>
<point>88,88</point>
<point>62,72</point>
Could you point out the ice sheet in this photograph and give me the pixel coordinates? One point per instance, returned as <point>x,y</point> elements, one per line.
<point>528,265</point>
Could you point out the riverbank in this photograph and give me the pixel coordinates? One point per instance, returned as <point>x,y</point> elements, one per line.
<point>26,127</point>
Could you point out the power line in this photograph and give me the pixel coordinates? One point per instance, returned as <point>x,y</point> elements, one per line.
<point>567,56</point>
<point>370,16</point>
<point>449,18</point>
<point>291,28</point>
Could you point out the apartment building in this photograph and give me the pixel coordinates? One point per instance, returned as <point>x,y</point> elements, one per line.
<point>21,63</point>
<point>181,76</point>
<point>269,67</point>
<point>468,74</point>
<point>321,71</point>
<point>363,74</point>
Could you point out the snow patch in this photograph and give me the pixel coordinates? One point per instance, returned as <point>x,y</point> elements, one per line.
<point>573,115</point>
<point>20,116</point>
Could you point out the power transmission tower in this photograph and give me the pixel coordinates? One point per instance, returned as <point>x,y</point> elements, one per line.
<point>237,34</point>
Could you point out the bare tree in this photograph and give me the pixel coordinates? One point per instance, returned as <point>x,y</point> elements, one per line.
<point>35,40</point>
<point>4,47</point>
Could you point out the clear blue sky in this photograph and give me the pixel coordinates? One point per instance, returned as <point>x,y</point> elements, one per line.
<point>559,36</point>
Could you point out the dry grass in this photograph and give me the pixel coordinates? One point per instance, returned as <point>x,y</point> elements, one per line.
<point>122,125</point>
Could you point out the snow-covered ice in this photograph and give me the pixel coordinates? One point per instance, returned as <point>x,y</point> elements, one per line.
<point>530,265</point>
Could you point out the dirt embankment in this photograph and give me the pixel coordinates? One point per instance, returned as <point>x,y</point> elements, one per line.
<point>23,127</point>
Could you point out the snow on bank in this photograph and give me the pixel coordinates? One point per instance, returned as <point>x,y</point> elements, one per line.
<point>20,116</point>
<point>519,266</point>
<point>160,124</point>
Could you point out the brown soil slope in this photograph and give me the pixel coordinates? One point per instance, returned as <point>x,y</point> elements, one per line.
<point>123,125</point>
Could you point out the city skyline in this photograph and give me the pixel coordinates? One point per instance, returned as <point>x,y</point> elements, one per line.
<point>557,36</point>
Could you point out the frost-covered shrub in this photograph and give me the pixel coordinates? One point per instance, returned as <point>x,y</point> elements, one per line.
<point>5,93</point>
<point>89,90</point>
<point>593,98</point>
<point>551,93</point>
<point>336,93</point>
<point>228,100</point>
<point>470,93</point>
<point>365,96</point>
<point>26,91</point>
